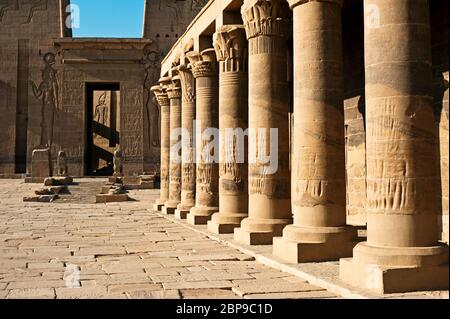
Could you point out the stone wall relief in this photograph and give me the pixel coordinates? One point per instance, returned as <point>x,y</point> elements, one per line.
<point>15,5</point>
<point>7,5</point>
<point>48,93</point>
<point>101,111</point>
<point>151,61</point>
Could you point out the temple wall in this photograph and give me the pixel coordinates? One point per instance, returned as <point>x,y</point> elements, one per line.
<point>26,30</point>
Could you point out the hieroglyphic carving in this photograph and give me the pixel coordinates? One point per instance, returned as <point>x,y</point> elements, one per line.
<point>36,5</point>
<point>72,93</point>
<point>48,93</point>
<point>7,5</point>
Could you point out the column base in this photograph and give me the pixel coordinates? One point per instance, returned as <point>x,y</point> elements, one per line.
<point>201,215</point>
<point>158,205</point>
<point>260,231</point>
<point>170,207</point>
<point>225,223</point>
<point>396,270</point>
<point>315,244</point>
<point>182,211</point>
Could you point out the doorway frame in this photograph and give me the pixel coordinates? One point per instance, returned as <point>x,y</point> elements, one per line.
<point>89,88</point>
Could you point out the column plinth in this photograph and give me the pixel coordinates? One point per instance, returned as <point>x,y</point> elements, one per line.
<point>164,104</point>
<point>188,160</point>
<point>174,94</point>
<point>319,232</point>
<point>205,71</point>
<point>402,252</point>
<point>230,45</point>
<point>267,25</point>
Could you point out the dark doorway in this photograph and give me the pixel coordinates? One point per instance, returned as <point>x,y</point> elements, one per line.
<point>103,127</point>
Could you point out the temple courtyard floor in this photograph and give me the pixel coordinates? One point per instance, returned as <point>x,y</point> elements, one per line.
<point>74,248</point>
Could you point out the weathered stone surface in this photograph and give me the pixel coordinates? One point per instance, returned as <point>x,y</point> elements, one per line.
<point>39,293</point>
<point>111,198</point>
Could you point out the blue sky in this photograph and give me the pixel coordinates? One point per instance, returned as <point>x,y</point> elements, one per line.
<point>110,18</point>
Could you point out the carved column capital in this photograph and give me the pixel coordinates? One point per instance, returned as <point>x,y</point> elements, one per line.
<point>203,64</point>
<point>187,83</point>
<point>161,95</point>
<point>266,17</point>
<point>174,88</point>
<point>230,45</point>
<point>294,3</point>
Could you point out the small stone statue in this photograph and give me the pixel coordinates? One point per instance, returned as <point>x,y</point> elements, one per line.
<point>62,164</point>
<point>118,165</point>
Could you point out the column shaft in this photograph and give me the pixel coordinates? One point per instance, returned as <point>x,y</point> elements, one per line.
<point>230,44</point>
<point>188,161</point>
<point>401,248</point>
<point>267,26</point>
<point>174,95</point>
<point>163,101</point>
<point>318,165</point>
<point>204,67</point>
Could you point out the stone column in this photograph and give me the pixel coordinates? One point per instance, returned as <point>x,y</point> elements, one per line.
<point>205,71</point>
<point>163,101</point>
<point>188,161</point>
<point>267,25</point>
<point>230,44</point>
<point>318,195</point>
<point>402,251</point>
<point>174,94</point>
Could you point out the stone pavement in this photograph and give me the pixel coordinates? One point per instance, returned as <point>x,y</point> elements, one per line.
<point>74,248</point>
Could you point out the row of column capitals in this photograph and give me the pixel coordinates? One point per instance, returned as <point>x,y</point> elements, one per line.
<point>295,3</point>
<point>230,45</point>
<point>266,18</point>
<point>203,64</point>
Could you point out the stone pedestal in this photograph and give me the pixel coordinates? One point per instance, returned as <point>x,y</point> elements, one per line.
<point>230,44</point>
<point>319,232</point>
<point>188,156</point>
<point>402,252</point>
<point>41,163</point>
<point>174,95</point>
<point>268,25</point>
<point>205,71</point>
<point>164,104</point>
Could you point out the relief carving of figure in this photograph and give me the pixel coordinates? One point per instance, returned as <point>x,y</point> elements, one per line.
<point>48,93</point>
<point>151,109</point>
<point>101,109</point>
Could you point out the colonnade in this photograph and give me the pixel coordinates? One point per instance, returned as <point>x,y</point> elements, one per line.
<point>241,82</point>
